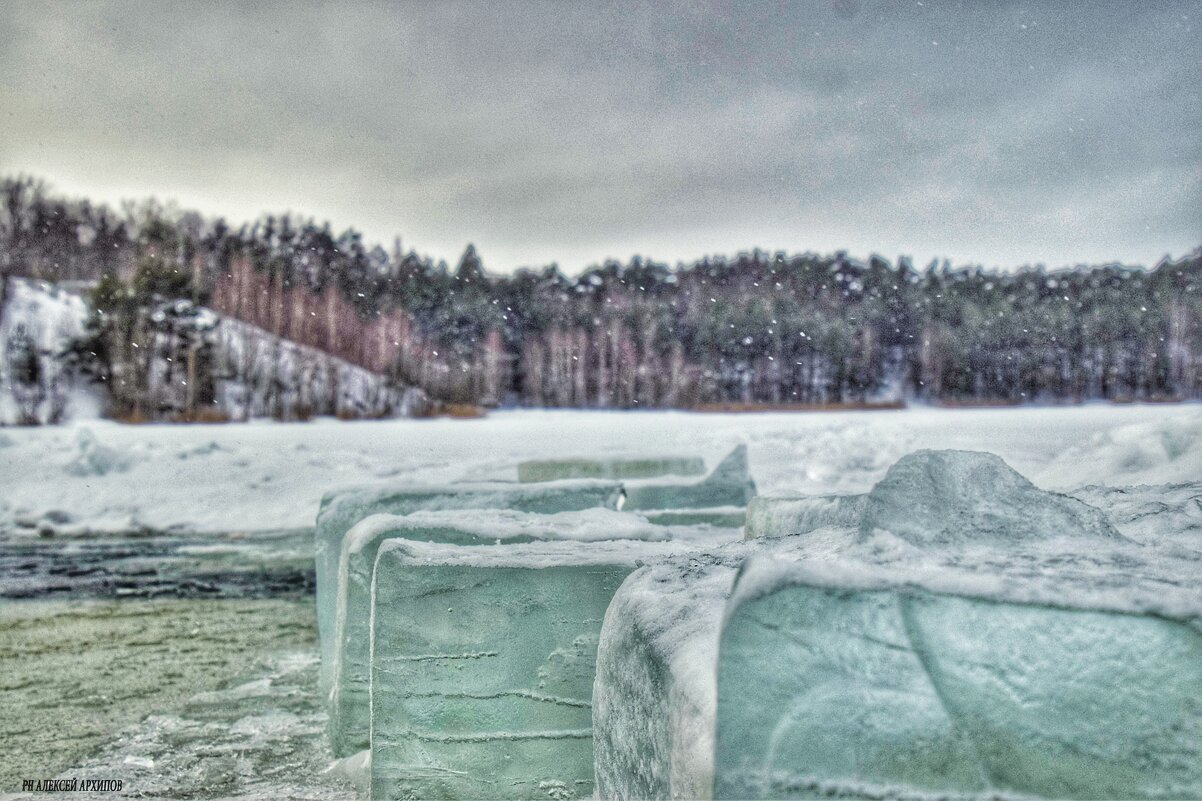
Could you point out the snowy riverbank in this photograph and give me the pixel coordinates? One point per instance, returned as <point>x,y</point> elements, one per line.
<point>97,475</point>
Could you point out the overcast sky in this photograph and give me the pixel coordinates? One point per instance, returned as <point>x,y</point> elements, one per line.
<point>992,132</point>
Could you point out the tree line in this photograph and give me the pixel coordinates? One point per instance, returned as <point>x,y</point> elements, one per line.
<point>756,328</point>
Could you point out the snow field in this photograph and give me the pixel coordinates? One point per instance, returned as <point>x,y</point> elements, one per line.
<point>265,475</point>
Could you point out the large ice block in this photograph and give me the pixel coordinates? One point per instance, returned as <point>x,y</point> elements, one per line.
<point>655,704</point>
<point>483,661</point>
<point>957,497</point>
<point>617,469</point>
<point>343,508</point>
<point>349,715</point>
<point>729,484</point>
<point>797,515</point>
<point>852,680</point>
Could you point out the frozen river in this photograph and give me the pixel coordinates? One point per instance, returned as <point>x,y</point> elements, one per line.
<point>97,476</point>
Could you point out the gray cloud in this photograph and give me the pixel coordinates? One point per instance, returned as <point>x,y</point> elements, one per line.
<point>1000,133</point>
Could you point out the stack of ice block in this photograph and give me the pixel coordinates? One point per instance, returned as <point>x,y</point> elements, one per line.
<point>956,631</point>
<point>341,509</point>
<point>350,674</point>
<point>482,665</point>
<point>354,523</point>
<point>936,636</point>
<point>718,500</point>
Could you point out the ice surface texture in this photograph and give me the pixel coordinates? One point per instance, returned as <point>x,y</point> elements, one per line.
<point>341,509</point>
<point>654,696</point>
<point>729,484</point>
<point>349,713</point>
<point>654,700</point>
<point>553,469</point>
<point>797,515</point>
<point>1151,513</point>
<point>483,661</point>
<point>865,683</point>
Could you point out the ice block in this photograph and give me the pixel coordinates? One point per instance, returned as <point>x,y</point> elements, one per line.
<point>341,509</point>
<point>483,661</point>
<point>729,484</point>
<point>348,700</point>
<point>798,515</point>
<point>868,681</point>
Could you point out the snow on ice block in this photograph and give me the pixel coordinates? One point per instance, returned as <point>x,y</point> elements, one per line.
<point>349,713</point>
<point>341,509</point>
<point>1153,513</point>
<point>797,515</point>
<point>483,661</point>
<point>958,497</point>
<point>729,484</point>
<point>858,681</point>
<point>554,469</point>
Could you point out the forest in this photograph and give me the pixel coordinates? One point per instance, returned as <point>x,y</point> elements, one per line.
<point>757,329</point>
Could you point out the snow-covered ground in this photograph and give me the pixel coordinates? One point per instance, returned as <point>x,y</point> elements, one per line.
<point>95,475</point>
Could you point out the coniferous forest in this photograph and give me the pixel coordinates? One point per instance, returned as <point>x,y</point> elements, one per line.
<point>754,329</point>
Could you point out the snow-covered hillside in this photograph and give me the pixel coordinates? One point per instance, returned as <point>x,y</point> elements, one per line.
<point>262,375</point>
<point>254,373</point>
<point>98,475</point>
<point>40,320</point>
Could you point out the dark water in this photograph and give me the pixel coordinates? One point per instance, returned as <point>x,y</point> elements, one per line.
<point>264,564</point>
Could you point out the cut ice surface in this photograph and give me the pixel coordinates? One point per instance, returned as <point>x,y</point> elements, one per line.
<point>654,701</point>
<point>341,509</point>
<point>797,515</point>
<point>937,498</point>
<point>483,661</point>
<point>617,469</point>
<point>729,484</point>
<point>349,720</point>
<point>855,680</point>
